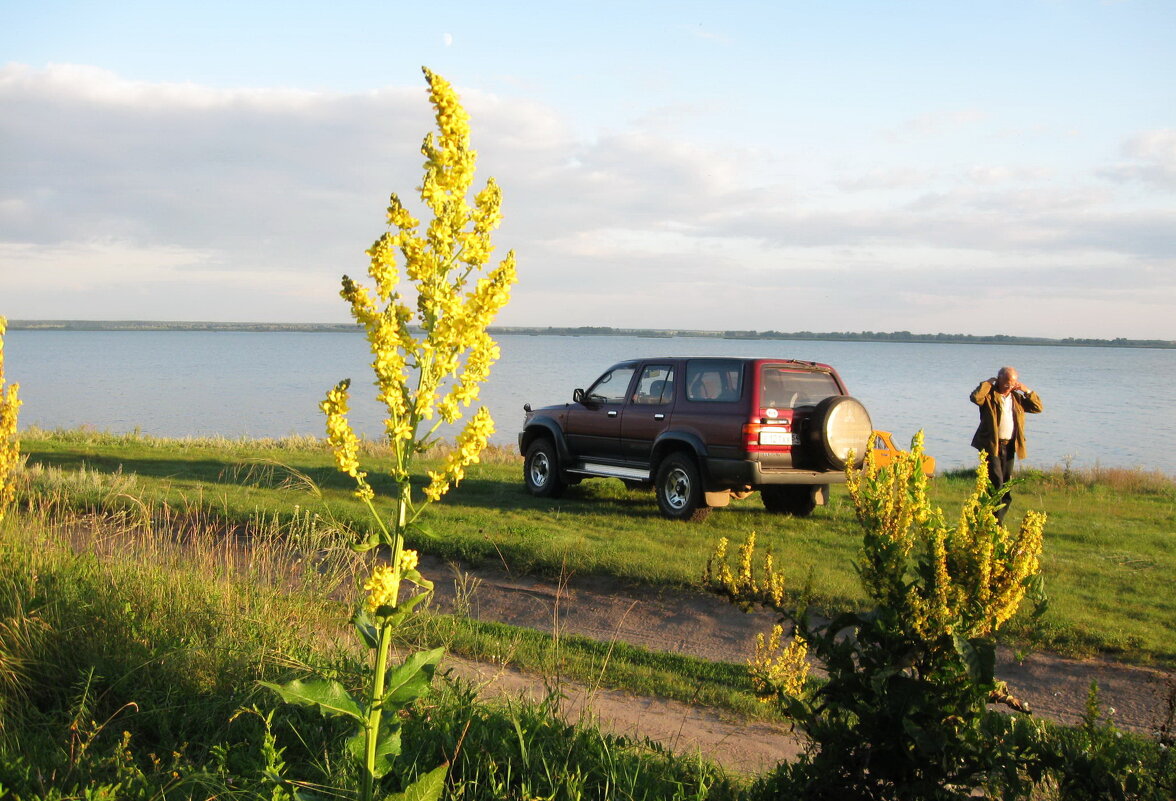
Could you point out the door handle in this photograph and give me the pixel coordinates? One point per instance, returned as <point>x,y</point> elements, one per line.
<point>659,416</point>
<point>612,413</point>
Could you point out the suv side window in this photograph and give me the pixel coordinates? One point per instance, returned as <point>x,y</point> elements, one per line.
<point>612,386</point>
<point>782,388</point>
<point>656,385</point>
<point>714,380</point>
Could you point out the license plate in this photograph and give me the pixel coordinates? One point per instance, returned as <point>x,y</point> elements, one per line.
<point>777,438</point>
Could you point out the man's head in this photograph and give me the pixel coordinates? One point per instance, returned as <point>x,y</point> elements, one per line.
<point>1006,380</point>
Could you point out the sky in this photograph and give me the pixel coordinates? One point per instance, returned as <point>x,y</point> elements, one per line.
<point>991,167</point>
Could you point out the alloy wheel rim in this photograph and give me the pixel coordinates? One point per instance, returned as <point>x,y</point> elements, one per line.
<point>677,488</point>
<point>540,469</point>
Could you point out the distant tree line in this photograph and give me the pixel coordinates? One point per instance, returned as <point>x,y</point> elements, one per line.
<point>602,331</point>
<point>161,325</point>
<point>851,336</point>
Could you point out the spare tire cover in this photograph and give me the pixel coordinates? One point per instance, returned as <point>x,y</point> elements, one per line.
<point>840,425</point>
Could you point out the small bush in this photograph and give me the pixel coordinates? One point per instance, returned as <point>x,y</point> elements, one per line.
<point>901,713</point>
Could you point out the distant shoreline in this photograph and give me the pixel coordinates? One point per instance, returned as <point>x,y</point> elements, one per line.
<point>824,336</point>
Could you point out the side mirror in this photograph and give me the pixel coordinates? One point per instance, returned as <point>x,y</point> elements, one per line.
<point>578,395</point>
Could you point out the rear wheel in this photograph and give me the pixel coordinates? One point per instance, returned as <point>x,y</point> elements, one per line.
<point>789,499</point>
<point>679,489</point>
<point>541,470</point>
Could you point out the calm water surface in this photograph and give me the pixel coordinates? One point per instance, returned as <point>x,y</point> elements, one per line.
<point>1108,406</point>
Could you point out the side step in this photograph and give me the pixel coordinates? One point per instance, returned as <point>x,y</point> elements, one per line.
<point>610,471</point>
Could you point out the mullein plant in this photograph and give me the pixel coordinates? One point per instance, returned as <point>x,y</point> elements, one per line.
<point>902,711</point>
<point>431,353</point>
<point>9,444</point>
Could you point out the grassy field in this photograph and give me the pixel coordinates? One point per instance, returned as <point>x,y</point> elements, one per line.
<point>147,585</point>
<point>1109,555</point>
<point>129,662</point>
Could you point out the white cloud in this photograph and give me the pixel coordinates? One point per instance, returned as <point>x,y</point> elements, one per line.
<point>125,199</point>
<point>995,174</point>
<point>886,179</point>
<point>937,123</point>
<point>1151,158</point>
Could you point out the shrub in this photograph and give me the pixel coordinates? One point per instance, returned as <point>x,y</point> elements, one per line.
<point>901,713</point>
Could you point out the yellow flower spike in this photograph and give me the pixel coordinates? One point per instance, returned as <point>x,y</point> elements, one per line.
<point>398,216</point>
<point>382,588</point>
<point>382,266</point>
<point>745,582</point>
<point>721,550</point>
<point>363,306</point>
<point>9,443</point>
<point>779,669</point>
<point>408,560</point>
<point>344,443</point>
<point>968,579</point>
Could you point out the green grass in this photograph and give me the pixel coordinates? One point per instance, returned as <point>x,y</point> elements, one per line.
<point>596,664</point>
<point>131,658</point>
<point>133,638</point>
<point>1108,561</point>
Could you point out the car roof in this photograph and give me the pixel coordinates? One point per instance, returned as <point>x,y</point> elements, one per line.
<point>762,359</point>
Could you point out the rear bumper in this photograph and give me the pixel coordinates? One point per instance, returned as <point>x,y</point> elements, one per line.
<point>725,473</point>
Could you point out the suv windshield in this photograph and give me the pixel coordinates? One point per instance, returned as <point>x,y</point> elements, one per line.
<point>783,388</point>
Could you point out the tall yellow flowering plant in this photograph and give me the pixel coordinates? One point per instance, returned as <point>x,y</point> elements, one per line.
<point>9,444</point>
<point>426,314</point>
<point>426,380</point>
<point>902,713</point>
<point>964,580</point>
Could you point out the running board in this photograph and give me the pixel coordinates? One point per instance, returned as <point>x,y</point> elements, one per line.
<point>611,471</point>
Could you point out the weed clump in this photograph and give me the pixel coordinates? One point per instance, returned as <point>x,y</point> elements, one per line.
<point>902,711</point>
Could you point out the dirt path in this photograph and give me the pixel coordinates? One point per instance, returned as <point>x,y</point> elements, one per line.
<point>696,624</point>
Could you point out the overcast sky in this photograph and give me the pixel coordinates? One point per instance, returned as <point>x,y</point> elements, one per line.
<point>981,167</point>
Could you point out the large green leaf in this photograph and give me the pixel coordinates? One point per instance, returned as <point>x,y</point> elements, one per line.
<point>411,680</point>
<point>388,746</point>
<point>395,615</point>
<point>356,744</point>
<point>366,629</point>
<point>426,788</point>
<point>329,696</point>
<point>979,655</point>
<point>416,578</point>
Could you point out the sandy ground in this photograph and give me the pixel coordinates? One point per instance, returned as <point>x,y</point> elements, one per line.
<point>705,626</point>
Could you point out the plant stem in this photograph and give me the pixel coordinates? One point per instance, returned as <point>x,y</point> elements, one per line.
<point>375,712</point>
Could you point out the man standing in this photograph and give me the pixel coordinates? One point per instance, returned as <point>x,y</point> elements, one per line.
<point>1003,402</point>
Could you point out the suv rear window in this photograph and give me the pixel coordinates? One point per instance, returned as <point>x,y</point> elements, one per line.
<point>782,388</point>
<point>714,380</point>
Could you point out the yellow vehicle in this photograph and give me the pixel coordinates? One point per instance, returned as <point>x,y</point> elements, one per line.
<point>884,453</point>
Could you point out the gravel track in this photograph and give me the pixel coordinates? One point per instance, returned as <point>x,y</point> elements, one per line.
<point>701,625</point>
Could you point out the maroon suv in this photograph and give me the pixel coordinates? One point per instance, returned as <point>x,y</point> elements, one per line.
<point>702,430</point>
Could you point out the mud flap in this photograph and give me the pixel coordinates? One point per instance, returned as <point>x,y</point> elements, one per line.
<point>718,499</point>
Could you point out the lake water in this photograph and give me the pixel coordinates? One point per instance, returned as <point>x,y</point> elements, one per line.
<point>1107,406</point>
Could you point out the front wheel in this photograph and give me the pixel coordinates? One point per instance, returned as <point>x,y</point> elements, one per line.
<point>541,470</point>
<point>789,499</point>
<point>679,489</point>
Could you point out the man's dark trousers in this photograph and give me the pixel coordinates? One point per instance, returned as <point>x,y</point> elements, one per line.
<point>1000,470</point>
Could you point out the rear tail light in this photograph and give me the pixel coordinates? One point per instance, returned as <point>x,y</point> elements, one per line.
<point>759,436</point>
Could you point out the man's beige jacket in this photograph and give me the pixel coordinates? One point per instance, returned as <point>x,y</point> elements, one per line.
<point>986,397</point>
